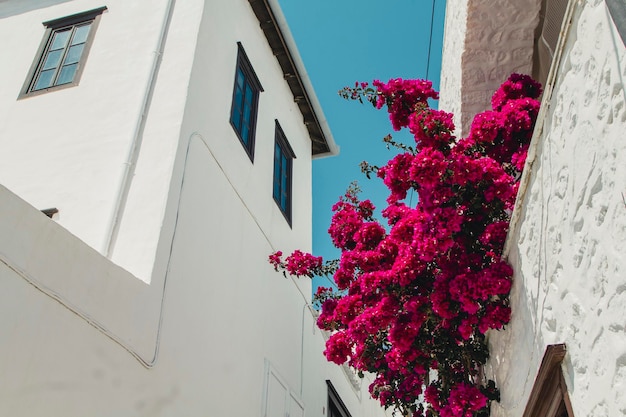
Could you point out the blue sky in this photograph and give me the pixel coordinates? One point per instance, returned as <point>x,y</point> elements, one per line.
<point>340,42</point>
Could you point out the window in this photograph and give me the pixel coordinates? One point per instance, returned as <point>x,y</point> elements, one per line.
<point>245,102</point>
<point>549,397</point>
<point>336,407</point>
<point>62,53</point>
<point>283,161</point>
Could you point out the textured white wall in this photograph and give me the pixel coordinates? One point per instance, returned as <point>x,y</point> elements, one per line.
<point>484,42</point>
<point>455,29</point>
<point>569,246</point>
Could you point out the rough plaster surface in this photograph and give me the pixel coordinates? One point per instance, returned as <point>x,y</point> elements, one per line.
<point>453,45</point>
<point>568,249</point>
<point>484,42</point>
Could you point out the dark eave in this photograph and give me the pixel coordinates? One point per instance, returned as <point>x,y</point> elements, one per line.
<point>276,40</point>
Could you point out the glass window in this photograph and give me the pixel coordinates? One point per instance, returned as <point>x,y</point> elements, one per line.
<point>63,52</point>
<point>283,161</point>
<point>245,102</point>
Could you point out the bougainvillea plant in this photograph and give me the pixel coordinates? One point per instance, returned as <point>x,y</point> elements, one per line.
<point>416,295</point>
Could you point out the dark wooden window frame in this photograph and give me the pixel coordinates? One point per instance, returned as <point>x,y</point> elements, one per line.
<point>281,143</point>
<point>336,407</point>
<point>250,77</point>
<point>549,397</point>
<point>52,26</point>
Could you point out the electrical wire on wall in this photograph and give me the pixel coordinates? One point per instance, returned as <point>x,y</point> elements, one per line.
<point>430,38</point>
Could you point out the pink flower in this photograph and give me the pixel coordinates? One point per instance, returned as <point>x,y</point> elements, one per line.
<point>395,176</point>
<point>369,235</point>
<point>418,293</point>
<point>402,97</point>
<point>464,400</point>
<point>516,86</point>
<point>303,264</point>
<point>338,348</point>
<point>432,128</point>
<point>275,260</point>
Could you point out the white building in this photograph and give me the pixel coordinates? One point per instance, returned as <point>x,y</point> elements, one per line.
<point>175,140</point>
<point>564,352</point>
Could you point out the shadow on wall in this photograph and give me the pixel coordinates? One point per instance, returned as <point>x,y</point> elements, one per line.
<point>10,8</point>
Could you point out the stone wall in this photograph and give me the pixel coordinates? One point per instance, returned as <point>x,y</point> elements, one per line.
<point>484,42</point>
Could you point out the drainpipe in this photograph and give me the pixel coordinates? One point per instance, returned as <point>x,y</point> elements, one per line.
<point>133,153</point>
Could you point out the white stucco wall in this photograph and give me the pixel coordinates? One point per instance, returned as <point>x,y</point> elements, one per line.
<point>76,134</point>
<point>568,247</point>
<point>69,148</point>
<point>214,323</point>
<point>185,317</point>
<point>451,58</point>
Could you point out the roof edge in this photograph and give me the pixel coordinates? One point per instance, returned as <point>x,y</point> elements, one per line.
<point>276,30</point>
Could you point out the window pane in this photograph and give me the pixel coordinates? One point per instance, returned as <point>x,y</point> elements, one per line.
<point>236,118</point>
<point>245,133</point>
<point>44,80</point>
<point>65,50</point>
<point>73,55</point>
<point>283,169</point>
<point>281,178</point>
<point>276,172</point>
<point>247,113</point>
<point>276,157</point>
<point>248,94</point>
<point>80,35</point>
<point>60,39</point>
<point>284,178</point>
<point>243,114</point>
<point>238,98</point>
<point>240,78</point>
<point>276,193</point>
<point>52,60</point>
<point>67,74</point>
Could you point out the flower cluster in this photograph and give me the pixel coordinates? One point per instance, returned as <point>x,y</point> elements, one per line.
<point>417,292</point>
<point>298,263</point>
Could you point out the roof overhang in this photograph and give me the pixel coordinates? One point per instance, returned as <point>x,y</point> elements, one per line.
<point>283,46</point>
